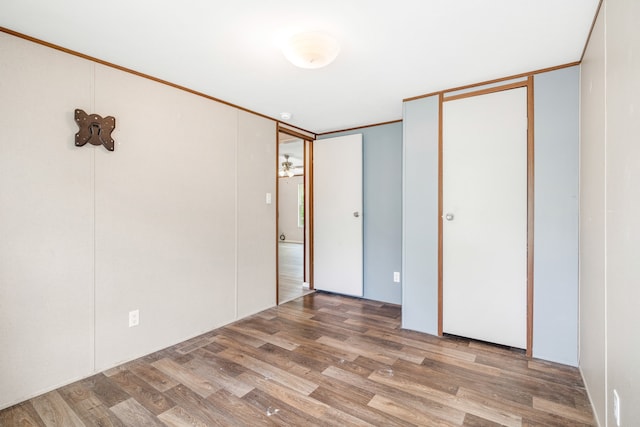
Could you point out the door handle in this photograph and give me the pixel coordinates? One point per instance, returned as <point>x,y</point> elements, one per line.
<point>449,217</point>
<point>356,214</point>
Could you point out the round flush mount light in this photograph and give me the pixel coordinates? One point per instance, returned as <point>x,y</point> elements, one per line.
<point>311,49</point>
<point>285,116</point>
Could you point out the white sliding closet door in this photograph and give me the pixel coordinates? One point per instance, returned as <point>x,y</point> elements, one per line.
<point>485,217</point>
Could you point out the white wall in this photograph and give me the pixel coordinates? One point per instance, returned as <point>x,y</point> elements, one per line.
<point>610,208</point>
<point>166,223</point>
<point>288,209</point>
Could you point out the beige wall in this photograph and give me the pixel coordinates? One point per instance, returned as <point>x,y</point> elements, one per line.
<point>610,212</point>
<point>592,215</point>
<point>173,222</point>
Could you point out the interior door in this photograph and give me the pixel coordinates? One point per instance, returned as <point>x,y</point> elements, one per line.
<point>337,215</point>
<point>484,173</point>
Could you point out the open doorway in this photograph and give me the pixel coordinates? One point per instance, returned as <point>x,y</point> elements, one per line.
<point>294,268</point>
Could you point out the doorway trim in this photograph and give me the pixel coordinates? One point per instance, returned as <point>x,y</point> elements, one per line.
<point>528,83</point>
<point>307,143</point>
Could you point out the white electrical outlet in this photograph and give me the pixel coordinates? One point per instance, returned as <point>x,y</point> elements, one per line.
<point>396,276</point>
<point>616,407</point>
<point>134,318</point>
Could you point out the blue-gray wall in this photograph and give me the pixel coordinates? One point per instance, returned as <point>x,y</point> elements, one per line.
<point>555,308</point>
<point>382,209</point>
<point>556,109</point>
<point>420,216</point>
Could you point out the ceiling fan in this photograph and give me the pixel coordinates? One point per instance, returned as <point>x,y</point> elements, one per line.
<point>287,167</point>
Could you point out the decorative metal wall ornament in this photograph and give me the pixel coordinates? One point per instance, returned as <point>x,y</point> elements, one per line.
<point>94,129</point>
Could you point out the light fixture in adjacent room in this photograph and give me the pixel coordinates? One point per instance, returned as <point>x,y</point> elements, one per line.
<point>311,49</point>
<point>287,167</point>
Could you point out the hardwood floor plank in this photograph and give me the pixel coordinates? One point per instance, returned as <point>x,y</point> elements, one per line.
<point>54,411</point>
<point>153,400</point>
<point>242,412</point>
<point>279,412</point>
<point>255,323</point>
<point>197,406</point>
<point>22,414</point>
<point>180,417</point>
<point>109,393</point>
<point>294,311</point>
<point>547,389</point>
<point>198,384</point>
<point>411,415</point>
<point>360,349</point>
<point>377,345</point>
<point>421,345</point>
<point>230,334</point>
<point>193,344</point>
<point>206,369</point>
<point>495,385</point>
<point>293,360</point>
<point>471,420</point>
<point>359,319</point>
<point>282,359</point>
<point>267,338</point>
<point>338,323</point>
<point>301,402</point>
<point>75,392</point>
<point>285,394</point>
<point>93,412</point>
<point>464,364</point>
<point>320,360</point>
<point>132,413</point>
<point>154,377</point>
<point>345,403</point>
<point>398,393</point>
<point>268,371</point>
<point>217,363</point>
<point>560,410</point>
<point>530,415</point>
<point>320,330</point>
<point>446,399</point>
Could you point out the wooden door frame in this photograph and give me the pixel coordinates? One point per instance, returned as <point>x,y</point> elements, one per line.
<point>442,98</point>
<point>307,143</point>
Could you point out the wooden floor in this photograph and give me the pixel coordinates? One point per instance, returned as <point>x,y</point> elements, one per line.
<point>290,271</point>
<point>319,360</point>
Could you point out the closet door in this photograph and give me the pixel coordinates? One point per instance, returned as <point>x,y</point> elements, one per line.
<point>337,215</point>
<point>484,185</point>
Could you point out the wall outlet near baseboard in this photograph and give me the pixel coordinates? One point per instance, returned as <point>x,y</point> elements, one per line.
<point>396,277</point>
<point>134,318</point>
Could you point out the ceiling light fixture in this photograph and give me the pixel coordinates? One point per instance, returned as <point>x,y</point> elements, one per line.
<point>285,116</point>
<point>311,49</point>
<point>287,167</point>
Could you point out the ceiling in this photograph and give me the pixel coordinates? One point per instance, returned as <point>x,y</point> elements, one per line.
<point>390,50</point>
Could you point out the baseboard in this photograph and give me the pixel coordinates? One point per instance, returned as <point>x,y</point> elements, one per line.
<point>593,408</point>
